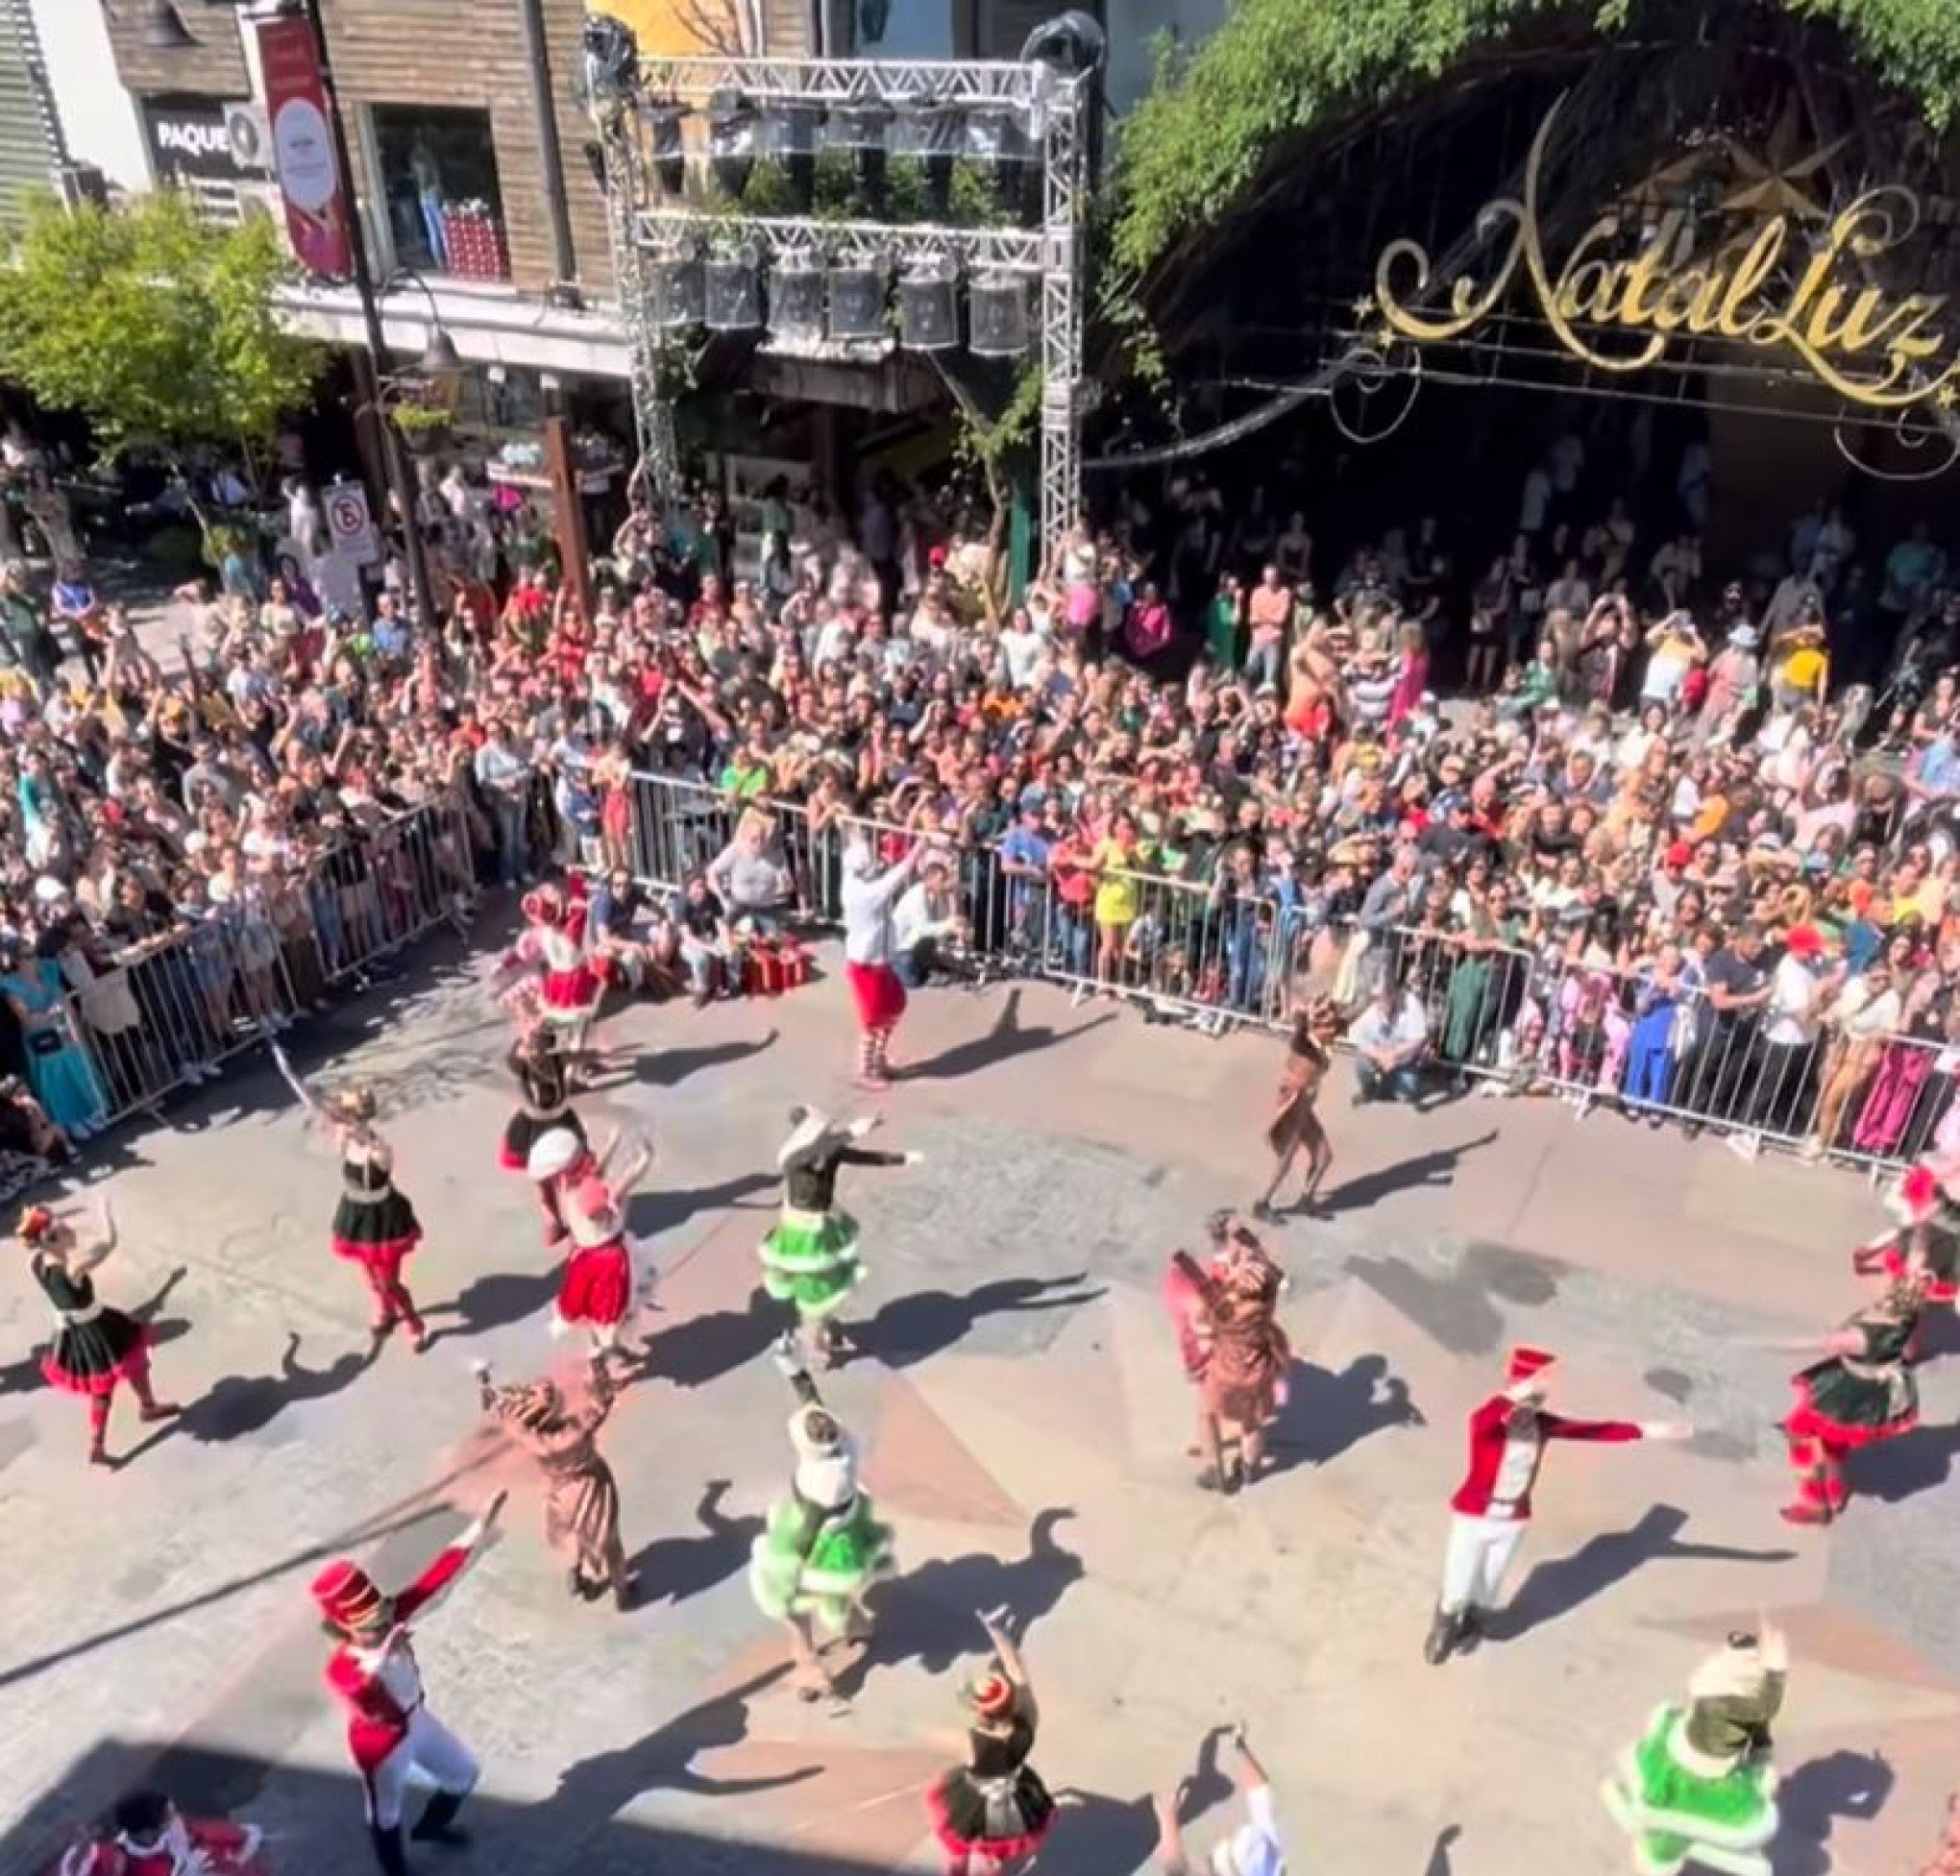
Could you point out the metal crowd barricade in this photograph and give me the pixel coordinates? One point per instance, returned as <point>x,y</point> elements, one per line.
<point>177,1005</point>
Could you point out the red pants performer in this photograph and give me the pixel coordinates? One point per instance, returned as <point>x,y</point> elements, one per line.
<point>95,1348</point>
<point>869,944</point>
<point>1860,1393</point>
<point>148,1835</point>
<point>395,1740</point>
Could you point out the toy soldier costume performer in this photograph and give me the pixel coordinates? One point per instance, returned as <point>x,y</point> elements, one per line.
<point>823,1548</point>
<point>867,897</point>
<point>393,1737</point>
<point>1700,1786</point>
<point>581,1498</point>
<point>1492,1507</point>
<point>147,1835</point>
<point>811,1258</point>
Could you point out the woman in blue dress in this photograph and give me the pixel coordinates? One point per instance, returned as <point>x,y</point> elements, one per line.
<point>56,1069</point>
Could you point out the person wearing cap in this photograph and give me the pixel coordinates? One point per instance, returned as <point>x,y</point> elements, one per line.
<point>1700,1786</point>
<point>1254,1848</point>
<point>994,1808</point>
<point>1492,1507</point>
<point>394,1740</point>
<point>821,1547</point>
<point>810,1259</point>
<point>1786,1059</point>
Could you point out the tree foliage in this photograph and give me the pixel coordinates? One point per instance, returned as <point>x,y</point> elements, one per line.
<point>1275,68</point>
<point>154,324</point>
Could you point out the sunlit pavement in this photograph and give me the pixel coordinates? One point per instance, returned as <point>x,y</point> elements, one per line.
<point>1025,1419</point>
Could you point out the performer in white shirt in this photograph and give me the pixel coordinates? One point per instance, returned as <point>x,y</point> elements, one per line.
<point>869,946</point>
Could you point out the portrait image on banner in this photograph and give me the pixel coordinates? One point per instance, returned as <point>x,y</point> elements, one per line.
<point>309,180</point>
<point>685,28</point>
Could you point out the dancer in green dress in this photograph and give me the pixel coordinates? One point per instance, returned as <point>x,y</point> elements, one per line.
<point>811,1258</point>
<point>823,1548</point>
<point>1700,1786</point>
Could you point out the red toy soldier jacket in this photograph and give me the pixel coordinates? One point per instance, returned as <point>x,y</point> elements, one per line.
<point>1505,1460</point>
<point>377,1716</point>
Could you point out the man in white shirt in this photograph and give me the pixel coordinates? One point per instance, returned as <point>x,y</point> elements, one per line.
<point>1253,1849</point>
<point>926,917</point>
<point>1787,1065</point>
<point>1391,1038</point>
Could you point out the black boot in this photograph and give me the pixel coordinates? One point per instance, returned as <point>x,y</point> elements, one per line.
<point>1444,1633</point>
<point>390,1858</point>
<point>1473,1626</point>
<point>439,1821</point>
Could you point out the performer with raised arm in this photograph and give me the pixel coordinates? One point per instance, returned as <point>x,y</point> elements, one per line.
<point>867,897</point>
<point>1860,1393</point>
<point>1296,1125</point>
<point>393,1737</point>
<point>1492,1507</point>
<point>552,955</point>
<point>994,1810</point>
<point>822,1547</point>
<point>581,1499</point>
<point>811,1258</point>
<point>1254,1849</point>
<point>560,1161</point>
<point>146,1835</point>
<point>95,1348</point>
<point>1700,1786</point>
<point>374,1224</point>
<point>604,1283</point>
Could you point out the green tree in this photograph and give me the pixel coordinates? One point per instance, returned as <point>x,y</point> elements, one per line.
<point>157,327</point>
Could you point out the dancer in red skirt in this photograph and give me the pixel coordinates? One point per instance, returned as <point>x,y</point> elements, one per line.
<point>994,1810</point>
<point>552,952</point>
<point>148,1835</point>
<point>374,1223</point>
<point>603,1283</point>
<point>869,944</point>
<point>1860,1393</point>
<point>95,1347</point>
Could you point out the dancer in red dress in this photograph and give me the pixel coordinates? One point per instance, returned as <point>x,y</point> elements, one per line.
<point>148,1835</point>
<point>1492,1508</point>
<point>394,1739</point>
<point>95,1348</point>
<point>374,1224</point>
<point>552,952</point>
<point>561,1161</point>
<point>603,1283</point>
<point>1860,1393</point>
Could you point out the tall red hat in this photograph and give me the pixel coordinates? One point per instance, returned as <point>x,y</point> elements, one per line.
<point>1917,1197</point>
<point>346,1594</point>
<point>1524,1362</point>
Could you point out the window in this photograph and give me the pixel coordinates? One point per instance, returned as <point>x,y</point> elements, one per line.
<point>438,173</point>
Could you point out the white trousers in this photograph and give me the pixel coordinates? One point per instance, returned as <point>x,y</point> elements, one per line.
<point>431,1756</point>
<point>1480,1551</point>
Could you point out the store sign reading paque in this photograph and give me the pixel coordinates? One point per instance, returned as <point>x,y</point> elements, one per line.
<point>1779,289</point>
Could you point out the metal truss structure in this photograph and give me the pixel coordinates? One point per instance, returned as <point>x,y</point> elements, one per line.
<point>1053,105</point>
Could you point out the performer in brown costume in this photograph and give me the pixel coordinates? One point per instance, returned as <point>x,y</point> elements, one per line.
<point>1237,1352</point>
<point>1295,1124</point>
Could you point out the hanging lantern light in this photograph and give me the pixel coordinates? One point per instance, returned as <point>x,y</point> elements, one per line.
<point>795,133</point>
<point>859,128</point>
<point>734,292</point>
<point>856,303</point>
<point>933,129</point>
<point>731,141</point>
<point>998,316</point>
<point>678,289</point>
<point>928,307</point>
<point>664,118</point>
<point>999,136</point>
<point>795,303</point>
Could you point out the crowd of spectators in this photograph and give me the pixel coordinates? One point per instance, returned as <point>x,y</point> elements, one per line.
<point>1655,849</point>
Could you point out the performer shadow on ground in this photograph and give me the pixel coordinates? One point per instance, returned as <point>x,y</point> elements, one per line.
<point>1813,1796</point>
<point>671,1067</point>
<point>238,1404</point>
<point>1915,1462</point>
<point>919,1614</point>
<point>1326,1413</point>
<point>1559,1585</point>
<point>595,1791</point>
<point>1436,1167</point>
<point>703,1348</point>
<point>653,1210</point>
<point>908,1329</point>
<point>673,1569</point>
<point>1005,1041</point>
<point>1438,1864</point>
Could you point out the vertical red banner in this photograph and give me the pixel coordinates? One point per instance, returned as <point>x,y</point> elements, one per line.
<point>316,206</point>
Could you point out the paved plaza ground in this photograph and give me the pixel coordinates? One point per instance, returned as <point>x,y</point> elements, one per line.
<point>1024,1418</point>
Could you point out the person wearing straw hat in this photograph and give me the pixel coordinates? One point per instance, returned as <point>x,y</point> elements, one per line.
<point>1700,1786</point>
<point>821,1547</point>
<point>1492,1508</point>
<point>994,1810</point>
<point>870,943</point>
<point>582,1497</point>
<point>601,1284</point>
<point>1255,1848</point>
<point>810,1257</point>
<point>393,1738</point>
<point>95,1348</point>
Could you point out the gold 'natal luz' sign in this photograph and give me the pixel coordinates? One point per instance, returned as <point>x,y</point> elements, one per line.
<point>1776,289</point>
